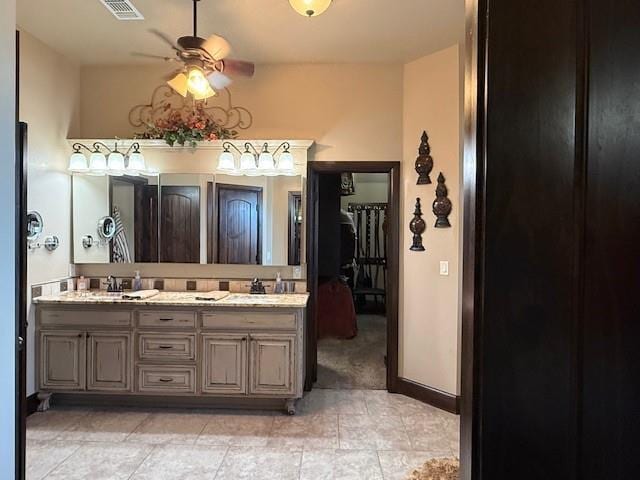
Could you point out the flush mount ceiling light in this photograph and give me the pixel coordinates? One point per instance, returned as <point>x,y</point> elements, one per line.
<point>253,163</point>
<point>205,66</point>
<point>310,8</point>
<point>114,164</point>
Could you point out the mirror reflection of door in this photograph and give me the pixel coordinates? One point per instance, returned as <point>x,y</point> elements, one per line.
<point>238,221</point>
<point>180,224</point>
<point>295,227</point>
<point>146,223</point>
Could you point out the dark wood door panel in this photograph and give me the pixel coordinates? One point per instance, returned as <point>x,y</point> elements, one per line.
<point>611,353</point>
<point>146,224</point>
<point>180,224</point>
<point>239,224</point>
<point>527,365</point>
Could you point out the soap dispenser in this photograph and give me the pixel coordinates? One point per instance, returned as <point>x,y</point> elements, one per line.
<point>137,282</point>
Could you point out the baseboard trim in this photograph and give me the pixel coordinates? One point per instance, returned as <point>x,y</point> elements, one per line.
<point>432,396</point>
<point>32,403</point>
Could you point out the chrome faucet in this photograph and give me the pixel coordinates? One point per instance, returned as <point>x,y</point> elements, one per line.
<point>257,287</point>
<point>112,284</point>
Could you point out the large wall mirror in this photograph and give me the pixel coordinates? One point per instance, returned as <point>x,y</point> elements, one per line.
<point>183,217</point>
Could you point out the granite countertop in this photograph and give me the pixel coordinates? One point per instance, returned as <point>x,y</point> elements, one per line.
<point>185,299</point>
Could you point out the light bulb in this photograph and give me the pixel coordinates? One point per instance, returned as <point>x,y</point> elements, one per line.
<point>97,164</point>
<point>115,165</point>
<point>310,8</point>
<point>197,83</point>
<point>136,164</point>
<point>285,162</point>
<point>78,162</point>
<point>247,162</point>
<point>226,161</point>
<point>265,161</point>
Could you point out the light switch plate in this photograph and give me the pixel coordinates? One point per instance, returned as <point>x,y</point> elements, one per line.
<point>444,268</point>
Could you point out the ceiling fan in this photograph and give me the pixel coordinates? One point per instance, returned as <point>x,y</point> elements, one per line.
<point>206,67</point>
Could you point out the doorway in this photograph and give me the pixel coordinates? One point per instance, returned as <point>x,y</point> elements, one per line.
<point>374,277</point>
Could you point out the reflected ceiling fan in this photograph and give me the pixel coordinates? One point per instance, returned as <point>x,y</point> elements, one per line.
<point>206,67</point>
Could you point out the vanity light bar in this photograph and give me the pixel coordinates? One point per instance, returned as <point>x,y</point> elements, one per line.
<point>253,163</point>
<point>115,163</point>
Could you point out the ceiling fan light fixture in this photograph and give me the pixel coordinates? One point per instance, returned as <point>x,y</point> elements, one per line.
<point>179,84</point>
<point>310,8</point>
<point>197,82</point>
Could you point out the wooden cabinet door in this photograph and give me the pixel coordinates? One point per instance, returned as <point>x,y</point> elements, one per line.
<point>109,361</point>
<point>225,363</point>
<point>272,364</point>
<point>62,360</point>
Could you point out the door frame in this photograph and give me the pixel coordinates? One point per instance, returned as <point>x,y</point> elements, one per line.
<point>213,217</point>
<point>314,170</point>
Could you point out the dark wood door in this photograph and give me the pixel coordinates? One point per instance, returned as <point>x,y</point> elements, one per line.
<point>180,224</point>
<point>555,370</point>
<point>146,223</point>
<point>239,210</point>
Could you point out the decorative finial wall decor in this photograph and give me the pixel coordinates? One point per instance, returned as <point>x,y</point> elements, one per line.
<point>442,204</point>
<point>424,162</point>
<point>417,227</point>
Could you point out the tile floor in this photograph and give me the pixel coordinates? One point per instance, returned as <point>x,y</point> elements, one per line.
<point>337,434</point>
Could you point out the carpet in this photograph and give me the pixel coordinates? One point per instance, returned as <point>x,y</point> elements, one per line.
<point>437,469</point>
<point>356,363</point>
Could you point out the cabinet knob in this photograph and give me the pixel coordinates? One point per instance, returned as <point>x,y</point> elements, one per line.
<point>166,380</point>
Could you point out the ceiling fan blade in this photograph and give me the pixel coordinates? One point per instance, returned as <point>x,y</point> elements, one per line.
<point>157,57</point>
<point>218,80</point>
<point>238,67</point>
<point>165,38</point>
<point>217,47</point>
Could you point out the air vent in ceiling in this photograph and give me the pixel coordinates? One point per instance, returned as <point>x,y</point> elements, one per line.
<point>122,9</point>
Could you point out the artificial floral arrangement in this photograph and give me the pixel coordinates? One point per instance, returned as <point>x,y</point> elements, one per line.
<point>186,127</point>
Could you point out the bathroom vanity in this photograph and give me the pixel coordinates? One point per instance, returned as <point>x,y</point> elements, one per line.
<point>171,349</point>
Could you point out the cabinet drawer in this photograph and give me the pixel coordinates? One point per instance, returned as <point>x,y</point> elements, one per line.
<point>166,379</point>
<point>161,346</point>
<point>249,320</point>
<point>94,318</point>
<point>167,319</point>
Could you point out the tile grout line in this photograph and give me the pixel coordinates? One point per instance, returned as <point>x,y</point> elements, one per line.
<point>55,467</point>
<point>226,452</point>
<point>380,464</point>
<point>153,448</point>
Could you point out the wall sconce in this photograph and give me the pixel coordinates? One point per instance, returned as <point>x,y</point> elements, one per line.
<point>254,163</point>
<point>116,163</point>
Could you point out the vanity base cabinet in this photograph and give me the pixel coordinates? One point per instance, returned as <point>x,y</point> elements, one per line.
<point>272,364</point>
<point>242,355</point>
<point>62,364</point>
<point>109,361</point>
<point>224,364</point>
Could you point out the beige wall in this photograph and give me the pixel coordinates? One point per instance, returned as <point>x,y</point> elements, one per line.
<point>430,303</point>
<point>49,103</point>
<point>352,111</point>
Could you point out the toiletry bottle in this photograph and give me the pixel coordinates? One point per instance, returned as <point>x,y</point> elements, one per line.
<point>137,282</point>
<point>82,285</point>
<point>278,288</point>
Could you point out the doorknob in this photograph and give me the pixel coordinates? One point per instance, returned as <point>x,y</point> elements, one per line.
<point>20,341</point>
